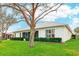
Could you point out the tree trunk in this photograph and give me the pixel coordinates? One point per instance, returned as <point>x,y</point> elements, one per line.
<point>6,34</point>
<point>1,36</point>
<point>1,32</point>
<point>31,39</point>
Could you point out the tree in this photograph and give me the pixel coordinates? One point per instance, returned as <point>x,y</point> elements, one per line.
<point>29,14</point>
<point>5,23</point>
<point>6,20</point>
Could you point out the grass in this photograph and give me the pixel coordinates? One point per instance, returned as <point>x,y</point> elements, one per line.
<point>20,48</point>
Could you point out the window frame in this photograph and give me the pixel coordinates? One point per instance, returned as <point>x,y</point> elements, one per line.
<point>49,34</point>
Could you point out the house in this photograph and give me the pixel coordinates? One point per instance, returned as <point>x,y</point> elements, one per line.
<point>5,35</point>
<point>48,29</point>
<point>76,31</point>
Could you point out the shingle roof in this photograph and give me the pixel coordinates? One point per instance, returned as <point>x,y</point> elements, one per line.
<point>48,24</point>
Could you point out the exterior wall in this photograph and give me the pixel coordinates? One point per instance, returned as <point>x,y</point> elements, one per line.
<point>21,34</point>
<point>13,35</point>
<point>60,32</point>
<point>68,34</point>
<point>41,33</point>
<point>63,32</point>
<point>18,34</point>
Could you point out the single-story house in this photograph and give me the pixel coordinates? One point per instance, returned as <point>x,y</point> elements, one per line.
<point>48,29</point>
<point>5,35</point>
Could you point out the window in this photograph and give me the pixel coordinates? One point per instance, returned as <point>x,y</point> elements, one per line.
<point>25,34</point>
<point>50,33</point>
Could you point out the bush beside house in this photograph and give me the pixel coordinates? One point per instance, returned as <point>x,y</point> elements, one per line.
<point>40,39</point>
<point>17,38</point>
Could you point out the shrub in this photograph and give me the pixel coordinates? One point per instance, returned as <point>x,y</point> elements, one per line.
<point>54,39</point>
<point>47,39</point>
<point>40,39</point>
<point>73,37</point>
<point>17,38</point>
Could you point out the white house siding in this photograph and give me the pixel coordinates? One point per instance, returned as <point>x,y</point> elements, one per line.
<point>14,34</point>
<point>41,33</point>
<point>68,34</point>
<point>60,32</point>
<point>63,32</point>
<point>21,34</point>
<point>18,34</point>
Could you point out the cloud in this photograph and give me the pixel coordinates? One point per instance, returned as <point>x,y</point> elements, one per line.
<point>63,11</point>
<point>75,22</point>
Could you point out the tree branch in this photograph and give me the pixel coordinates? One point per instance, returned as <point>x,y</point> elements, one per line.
<point>36,6</point>
<point>9,6</point>
<point>25,9</point>
<point>26,19</point>
<point>48,13</point>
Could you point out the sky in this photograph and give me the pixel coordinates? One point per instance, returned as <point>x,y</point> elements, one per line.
<point>66,14</point>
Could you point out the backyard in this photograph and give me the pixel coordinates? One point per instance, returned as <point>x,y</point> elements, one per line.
<point>20,48</point>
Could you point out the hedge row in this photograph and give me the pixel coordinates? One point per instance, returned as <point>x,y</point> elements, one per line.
<point>17,38</point>
<point>41,39</point>
<point>49,39</point>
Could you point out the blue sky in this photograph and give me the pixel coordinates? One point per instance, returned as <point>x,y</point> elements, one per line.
<point>67,14</point>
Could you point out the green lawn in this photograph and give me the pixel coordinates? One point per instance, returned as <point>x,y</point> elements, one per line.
<point>20,48</point>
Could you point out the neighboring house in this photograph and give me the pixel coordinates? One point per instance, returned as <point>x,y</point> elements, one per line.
<point>48,29</point>
<point>5,35</point>
<point>77,35</point>
<point>76,31</point>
